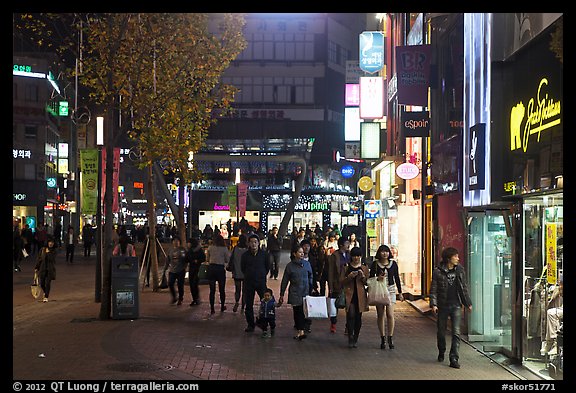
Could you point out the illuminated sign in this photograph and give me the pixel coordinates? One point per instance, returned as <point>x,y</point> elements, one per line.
<point>407,171</point>
<point>51,182</point>
<point>541,113</point>
<point>352,122</point>
<point>352,97</point>
<point>138,184</point>
<point>476,157</point>
<point>371,51</point>
<point>63,108</point>
<point>25,70</point>
<point>372,93</point>
<point>20,153</point>
<point>221,207</point>
<point>347,171</point>
<point>63,150</point>
<point>372,208</point>
<point>415,124</point>
<point>370,141</point>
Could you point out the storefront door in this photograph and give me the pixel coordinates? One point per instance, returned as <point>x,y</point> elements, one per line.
<point>490,277</point>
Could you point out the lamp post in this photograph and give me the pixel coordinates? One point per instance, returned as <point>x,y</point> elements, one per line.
<point>237,181</point>
<point>98,280</point>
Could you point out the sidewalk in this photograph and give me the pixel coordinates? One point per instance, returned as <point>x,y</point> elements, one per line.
<point>64,340</point>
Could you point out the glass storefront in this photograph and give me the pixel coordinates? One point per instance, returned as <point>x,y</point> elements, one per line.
<point>542,312</point>
<point>490,276</point>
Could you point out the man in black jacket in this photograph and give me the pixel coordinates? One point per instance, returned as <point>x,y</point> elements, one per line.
<point>274,245</point>
<point>255,265</point>
<point>448,293</point>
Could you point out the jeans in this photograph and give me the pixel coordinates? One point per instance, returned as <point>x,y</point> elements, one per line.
<point>455,314</point>
<point>193,281</point>
<point>172,278</point>
<point>275,264</point>
<point>250,291</point>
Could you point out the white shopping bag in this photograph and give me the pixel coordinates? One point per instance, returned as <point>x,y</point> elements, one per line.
<point>315,307</point>
<point>331,307</point>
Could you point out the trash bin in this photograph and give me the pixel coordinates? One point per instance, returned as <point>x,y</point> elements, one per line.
<point>125,288</point>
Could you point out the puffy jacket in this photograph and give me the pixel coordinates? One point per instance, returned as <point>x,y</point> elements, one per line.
<point>439,289</point>
<point>255,267</point>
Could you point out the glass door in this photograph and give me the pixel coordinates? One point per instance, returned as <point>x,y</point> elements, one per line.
<point>490,277</point>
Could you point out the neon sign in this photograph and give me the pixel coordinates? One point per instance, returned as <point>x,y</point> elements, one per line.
<point>541,113</point>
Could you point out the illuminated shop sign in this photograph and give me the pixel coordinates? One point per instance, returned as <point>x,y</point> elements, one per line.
<point>20,153</point>
<point>347,171</point>
<point>541,113</point>
<point>415,124</point>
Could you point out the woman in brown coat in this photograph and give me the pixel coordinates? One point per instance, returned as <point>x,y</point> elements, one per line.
<point>353,278</point>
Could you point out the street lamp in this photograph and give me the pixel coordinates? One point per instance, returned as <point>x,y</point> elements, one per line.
<point>99,143</point>
<point>237,181</point>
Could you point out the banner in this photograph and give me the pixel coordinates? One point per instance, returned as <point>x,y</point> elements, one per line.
<point>89,185</point>
<point>115,178</point>
<point>232,199</point>
<point>413,64</point>
<point>242,194</point>
<point>551,244</point>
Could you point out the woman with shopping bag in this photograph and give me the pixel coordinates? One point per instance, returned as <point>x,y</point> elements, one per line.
<point>46,267</point>
<point>386,269</point>
<point>353,279</point>
<point>298,274</point>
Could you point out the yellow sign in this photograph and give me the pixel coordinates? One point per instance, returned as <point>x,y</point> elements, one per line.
<point>551,254</point>
<point>542,113</point>
<point>365,183</point>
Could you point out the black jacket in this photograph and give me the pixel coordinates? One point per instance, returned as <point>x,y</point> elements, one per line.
<point>439,289</point>
<point>255,267</point>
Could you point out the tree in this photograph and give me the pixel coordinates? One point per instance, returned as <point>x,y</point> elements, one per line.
<point>155,77</point>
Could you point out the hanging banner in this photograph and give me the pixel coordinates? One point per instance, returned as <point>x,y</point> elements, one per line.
<point>551,245</point>
<point>232,199</point>
<point>413,74</point>
<point>242,194</point>
<point>115,178</point>
<point>371,51</point>
<point>89,185</point>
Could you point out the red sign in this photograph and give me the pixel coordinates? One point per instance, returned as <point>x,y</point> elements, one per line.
<point>242,194</point>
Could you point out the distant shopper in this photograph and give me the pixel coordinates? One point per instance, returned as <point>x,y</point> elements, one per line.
<point>236,259</point>
<point>267,314</point>
<point>87,239</point>
<point>17,246</point>
<point>449,291</point>
<point>274,245</point>
<point>71,239</point>
<point>255,265</point>
<point>353,279</point>
<point>124,247</point>
<point>46,267</point>
<point>385,268</point>
<point>176,271</point>
<point>218,256</point>
<point>195,256</point>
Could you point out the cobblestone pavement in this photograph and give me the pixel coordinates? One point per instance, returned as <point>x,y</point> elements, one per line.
<point>63,339</point>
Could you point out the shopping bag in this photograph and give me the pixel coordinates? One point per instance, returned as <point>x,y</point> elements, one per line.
<point>378,292</point>
<point>340,301</point>
<point>331,307</point>
<point>24,253</point>
<point>203,274</point>
<point>315,307</point>
<point>35,287</point>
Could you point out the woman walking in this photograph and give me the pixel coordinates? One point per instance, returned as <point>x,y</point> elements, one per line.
<point>236,265</point>
<point>46,267</point>
<point>218,255</point>
<point>299,275</point>
<point>353,278</point>
<point>385,268</point>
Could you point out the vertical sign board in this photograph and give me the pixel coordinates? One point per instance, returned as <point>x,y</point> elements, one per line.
<point>371,51</point>
<point>476,157</point>
<point>232,199</point>
<point>352,122</point>
<point>372,93</point>
<point>370,141</point>
<point>242,194</point>
<point>551,275</point>
<point>89,184</point>
<point>352,97</point>
<point>413,71</point>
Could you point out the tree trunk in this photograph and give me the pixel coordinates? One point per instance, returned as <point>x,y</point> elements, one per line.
<point>153,251</point>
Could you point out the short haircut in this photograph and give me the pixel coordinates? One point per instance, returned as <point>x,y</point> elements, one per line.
<point>305,241</point>
<point>355,252</point>
<point>448,253</point>
<point>253,236</point>
<point>342,240</point>
<point>270,291</point>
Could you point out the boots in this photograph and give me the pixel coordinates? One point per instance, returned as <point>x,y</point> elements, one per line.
<point>390,344</point>
<point>383,342</point>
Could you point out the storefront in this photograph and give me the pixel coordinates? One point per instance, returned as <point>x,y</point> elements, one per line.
<point>28,200</point>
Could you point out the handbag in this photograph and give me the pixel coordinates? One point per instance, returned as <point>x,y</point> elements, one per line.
<point>315,307</point>
<point>25,253</point>
<point>340,301</point>
<point>35,287</point>
<point>203,274</point>
<point>378,294</point>
<point>331,307</point>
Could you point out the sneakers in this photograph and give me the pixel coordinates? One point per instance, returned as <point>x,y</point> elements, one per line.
<point>266,334</point>
<point>45,300</point>
<point>332,328</point>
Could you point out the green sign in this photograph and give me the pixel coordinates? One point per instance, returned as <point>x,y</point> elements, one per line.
<point>63,108</point>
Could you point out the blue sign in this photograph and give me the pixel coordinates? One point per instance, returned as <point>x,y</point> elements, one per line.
<point>371,51</point>
<point>347,171</point>
<point>372,208</point>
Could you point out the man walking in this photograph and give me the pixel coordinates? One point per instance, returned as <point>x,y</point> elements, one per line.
<point>274,245</point>
<point>255,265</point>
<point>449,291</point>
